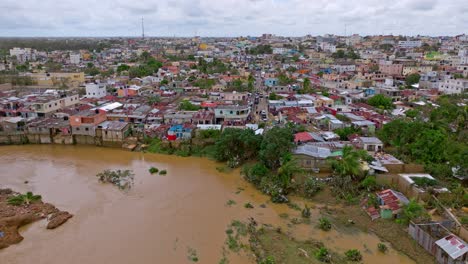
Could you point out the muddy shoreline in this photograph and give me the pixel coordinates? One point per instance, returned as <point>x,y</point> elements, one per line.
<point>12,217</point>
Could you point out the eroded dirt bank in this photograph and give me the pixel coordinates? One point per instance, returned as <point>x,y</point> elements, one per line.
<point>12,217</point>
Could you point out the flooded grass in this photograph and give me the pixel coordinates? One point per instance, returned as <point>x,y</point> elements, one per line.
<point>271,244</point>
<point>352,219</point>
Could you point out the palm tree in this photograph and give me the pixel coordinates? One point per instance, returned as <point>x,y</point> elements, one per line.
<point>27,198</point>
<point>350,162</point>
<point>287,170</point>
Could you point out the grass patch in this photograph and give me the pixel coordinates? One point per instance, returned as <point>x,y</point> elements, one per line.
<point>268,243</point>
<point>162,172</point>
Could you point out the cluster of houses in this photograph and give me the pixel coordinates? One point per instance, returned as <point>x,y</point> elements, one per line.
<point>319,83</point>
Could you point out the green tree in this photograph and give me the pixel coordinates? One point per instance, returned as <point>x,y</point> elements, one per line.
<point>347,131</point>
<point>276,144</point>
<point>122,67</point>
<point>412,79</point>
<point>350,162</point>
<point>274,96</point>
<point>186,105</point>
<point>381,101</point>
<point>236,146</point>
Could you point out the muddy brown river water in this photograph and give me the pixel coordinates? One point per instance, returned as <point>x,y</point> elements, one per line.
<point>157,221</point>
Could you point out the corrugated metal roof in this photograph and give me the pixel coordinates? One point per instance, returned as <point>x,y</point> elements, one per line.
<point>453,245</point>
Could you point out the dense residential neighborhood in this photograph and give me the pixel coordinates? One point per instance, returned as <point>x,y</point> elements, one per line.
<point>382,120</point>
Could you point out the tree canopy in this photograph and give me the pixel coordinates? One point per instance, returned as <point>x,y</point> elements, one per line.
<point>381,101</point>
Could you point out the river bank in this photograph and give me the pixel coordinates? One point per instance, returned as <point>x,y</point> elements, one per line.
<point>13,217</point>
<point>159,219</point>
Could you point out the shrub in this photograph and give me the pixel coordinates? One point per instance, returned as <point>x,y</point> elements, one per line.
<point>382,247</point>
<point>21,199</point>
<point>268,260</point>
<point>248,205</point>
<point>306,212</point>
<point>413,211</point>
<point>424,182</point>
<point>312,186</point>
<point>162,172</point>
<point>369,183</point>
<point>322,255</point>
<point>353,255</point>
<point>230,202</point>
<point>153,170</point>
<point>324,224</point>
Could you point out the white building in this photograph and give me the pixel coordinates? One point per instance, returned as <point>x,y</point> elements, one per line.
<point>325,46</point>
<point>409,44</point>
<point>464,60</point>
<point>353,40</point>
<point>23,54</point>
<point>75,58</point>
<point>94,90</point>
<point>453,86</point>
<point>340,68</point>
<point>280,51</point>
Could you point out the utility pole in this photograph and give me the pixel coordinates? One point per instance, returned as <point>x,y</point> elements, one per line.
<point>142,28</point>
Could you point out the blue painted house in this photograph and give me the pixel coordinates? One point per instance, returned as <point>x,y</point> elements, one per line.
<point>270,82</point>
<point>179,132</point>
<point>369,91</point>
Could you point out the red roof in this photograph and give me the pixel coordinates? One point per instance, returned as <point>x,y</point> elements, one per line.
<point>303,137</point>
<point>390,199</point>
<point>208,104</point>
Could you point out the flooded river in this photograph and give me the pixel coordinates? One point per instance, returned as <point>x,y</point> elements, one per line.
<point>158,221</point>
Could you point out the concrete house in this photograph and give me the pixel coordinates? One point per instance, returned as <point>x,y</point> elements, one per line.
<point>113,131</point>
<point>371,144</point>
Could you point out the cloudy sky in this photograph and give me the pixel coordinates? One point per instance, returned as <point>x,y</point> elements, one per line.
<point>231,17</point>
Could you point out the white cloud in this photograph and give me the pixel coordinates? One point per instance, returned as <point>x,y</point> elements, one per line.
<point>230,17</point>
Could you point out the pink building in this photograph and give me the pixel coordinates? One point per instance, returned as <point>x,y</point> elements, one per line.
<point>391,69</point>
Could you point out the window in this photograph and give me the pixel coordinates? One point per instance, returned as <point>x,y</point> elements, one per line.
<point>87,129</point>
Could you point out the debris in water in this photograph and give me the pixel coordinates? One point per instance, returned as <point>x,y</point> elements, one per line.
<point>120,178</point>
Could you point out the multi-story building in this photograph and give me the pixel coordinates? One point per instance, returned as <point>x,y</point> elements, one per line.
<point>85,122</point>
<point>47,105</point>
<point>416,69</point>
<point>409,44</point>
<point>23,54</point>
<point>75,58</point>
<point>387,67</point>
<point>231,113</point>
<point>95,90</point>
<point>453,86</point>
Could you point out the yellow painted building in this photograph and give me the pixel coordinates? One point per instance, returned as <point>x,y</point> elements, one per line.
<point>73,79</point>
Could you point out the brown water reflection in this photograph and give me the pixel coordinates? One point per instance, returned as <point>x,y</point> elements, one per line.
<point>156,222</point>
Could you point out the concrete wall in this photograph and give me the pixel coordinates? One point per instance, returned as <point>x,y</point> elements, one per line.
<point>85,140</point>
<point>18,138</point>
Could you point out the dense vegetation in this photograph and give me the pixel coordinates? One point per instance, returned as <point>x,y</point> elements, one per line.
<point>381,101</point>
<point>437,138</point>
<point>260,49</point>
<point>48,44</point>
